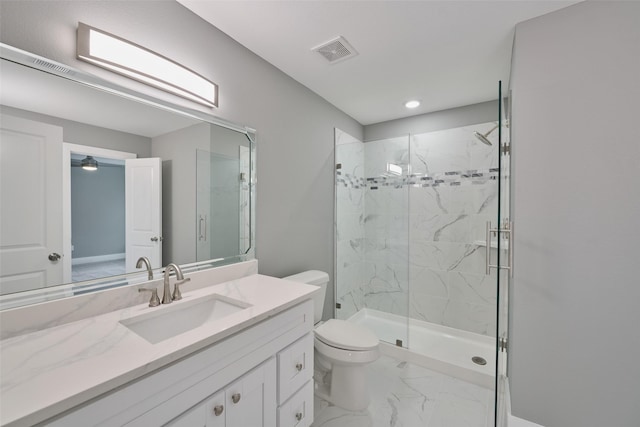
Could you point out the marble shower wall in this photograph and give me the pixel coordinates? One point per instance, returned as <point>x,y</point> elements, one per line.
<point>410,213</point>
<point>453,192</point>
<point>386,204</point>
<point>245,198</point>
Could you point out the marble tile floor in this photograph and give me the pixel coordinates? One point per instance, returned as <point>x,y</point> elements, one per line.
<point>407,395</point>
<point>97,270</point>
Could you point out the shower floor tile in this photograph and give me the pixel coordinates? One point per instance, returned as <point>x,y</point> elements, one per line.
<point>407,395</point>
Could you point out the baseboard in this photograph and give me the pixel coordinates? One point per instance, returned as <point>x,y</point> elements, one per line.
<point>519,422</point>
<point>99,258</point>
<point>515,421</point>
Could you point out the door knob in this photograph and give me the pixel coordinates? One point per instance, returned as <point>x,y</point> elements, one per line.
<point>154,239</point>
<point>54,256</point>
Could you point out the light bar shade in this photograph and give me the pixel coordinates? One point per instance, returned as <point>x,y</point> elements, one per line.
<point>129,59</point>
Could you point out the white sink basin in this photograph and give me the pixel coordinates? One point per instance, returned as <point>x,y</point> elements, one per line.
<point>168,321</point>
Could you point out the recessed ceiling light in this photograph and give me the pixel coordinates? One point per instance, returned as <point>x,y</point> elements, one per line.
<point>412,104</point>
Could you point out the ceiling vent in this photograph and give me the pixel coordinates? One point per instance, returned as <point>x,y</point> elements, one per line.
<point>336,50</point>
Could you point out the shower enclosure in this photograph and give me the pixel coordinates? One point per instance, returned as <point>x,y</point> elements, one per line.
<point>421,220</point>
<point>225,172</point>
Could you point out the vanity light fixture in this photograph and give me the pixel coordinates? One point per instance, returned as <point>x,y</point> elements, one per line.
<point>412,104</point>
<point>89,164</point>
<point>129,59</point>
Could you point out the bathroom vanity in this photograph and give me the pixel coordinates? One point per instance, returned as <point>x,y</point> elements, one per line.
<point>238,353</point>
<point>236,350</point>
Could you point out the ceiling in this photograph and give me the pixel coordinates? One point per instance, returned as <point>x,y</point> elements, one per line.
<point>444,53</point>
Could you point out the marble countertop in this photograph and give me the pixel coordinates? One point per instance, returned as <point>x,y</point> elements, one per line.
<point>47,372</point>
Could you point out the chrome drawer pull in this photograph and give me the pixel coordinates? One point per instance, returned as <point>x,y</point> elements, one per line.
<point>235,398</point>
<point>299,366</point>
<point>217,410</point>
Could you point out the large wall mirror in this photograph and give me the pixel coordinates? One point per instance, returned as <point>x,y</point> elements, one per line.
<point>171,184</point>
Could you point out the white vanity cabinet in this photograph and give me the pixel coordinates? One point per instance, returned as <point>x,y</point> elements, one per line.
<point>248,401</point>
<point>261,376</point>
<point>295,383</point>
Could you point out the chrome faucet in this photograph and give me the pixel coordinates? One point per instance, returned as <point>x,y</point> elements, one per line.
<point>167,298</point>
<point>144,260</point>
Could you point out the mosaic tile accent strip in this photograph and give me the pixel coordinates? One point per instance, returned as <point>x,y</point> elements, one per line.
<point>350,181</point>
<point>451,178</point>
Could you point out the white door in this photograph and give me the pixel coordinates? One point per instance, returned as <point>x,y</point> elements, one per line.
<point>143,204</point>
<point>30,204</point>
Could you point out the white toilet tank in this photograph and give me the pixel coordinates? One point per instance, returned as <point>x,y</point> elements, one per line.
<point>317,278</point>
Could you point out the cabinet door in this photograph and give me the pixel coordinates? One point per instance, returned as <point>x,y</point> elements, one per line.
<point>194,417</point>
<point>210,413</point>
<point>216,410</point>
<point>251,400</point>
<point>295,367</point>
<point>298,411</point>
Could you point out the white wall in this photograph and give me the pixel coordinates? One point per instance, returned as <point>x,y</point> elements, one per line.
<point>295,126</point>
<point>575,309</point>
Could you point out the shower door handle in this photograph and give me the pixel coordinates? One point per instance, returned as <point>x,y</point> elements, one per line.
<point>508,230</point>
<point>487,244</point>
<point>202,228</point>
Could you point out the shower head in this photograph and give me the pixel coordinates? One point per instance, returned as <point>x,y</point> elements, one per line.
<point>483,137</point>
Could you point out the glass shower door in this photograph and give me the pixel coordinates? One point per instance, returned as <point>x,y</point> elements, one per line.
<point>386,225</point>
<point>371,215</point>
<point>504,261</point>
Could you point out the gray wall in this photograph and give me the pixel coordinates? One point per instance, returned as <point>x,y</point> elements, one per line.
<point>295,126</point>
<point>97,211</point>
<point>178,153</point>
<point>438,120</point>
<point>98,226</point>
<point>93,136</point>
<point>575,307</point>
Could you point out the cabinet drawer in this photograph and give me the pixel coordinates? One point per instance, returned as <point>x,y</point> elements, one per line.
<point>298,410</point>
<point>295,366</point>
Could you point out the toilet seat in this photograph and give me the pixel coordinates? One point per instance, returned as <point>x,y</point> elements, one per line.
<point>345,335</point>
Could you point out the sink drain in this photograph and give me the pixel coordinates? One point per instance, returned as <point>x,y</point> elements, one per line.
<point>479,360</point>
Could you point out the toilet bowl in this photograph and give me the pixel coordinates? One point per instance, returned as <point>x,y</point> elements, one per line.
<point>342,350</point>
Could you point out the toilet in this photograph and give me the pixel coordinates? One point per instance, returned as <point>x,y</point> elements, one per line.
<point>342,349</point>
